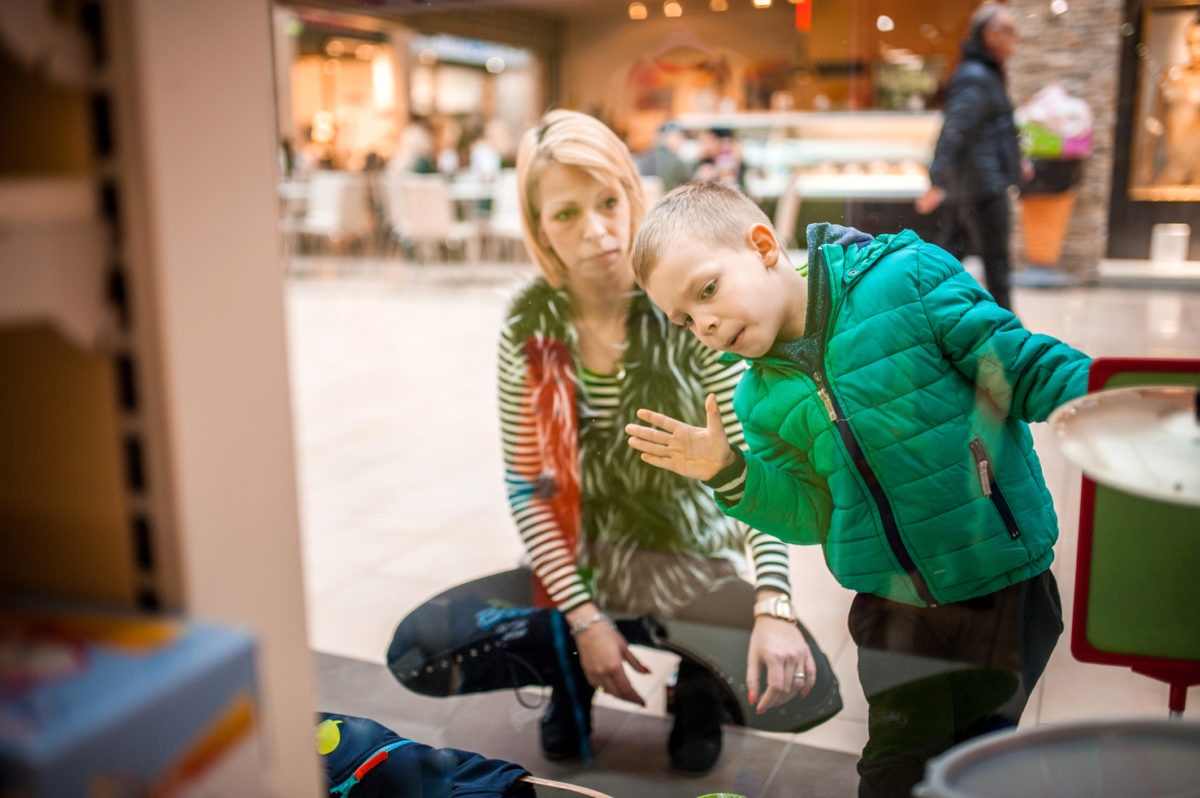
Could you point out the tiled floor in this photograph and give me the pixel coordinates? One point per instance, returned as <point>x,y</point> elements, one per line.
<point>400,479</point>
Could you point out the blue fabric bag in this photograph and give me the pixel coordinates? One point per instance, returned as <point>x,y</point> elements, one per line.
<point>365,759</point>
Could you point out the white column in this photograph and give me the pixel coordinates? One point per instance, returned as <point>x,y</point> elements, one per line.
<point>200,169</point>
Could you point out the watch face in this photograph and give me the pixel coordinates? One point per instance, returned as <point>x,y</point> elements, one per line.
<point>778,607</point>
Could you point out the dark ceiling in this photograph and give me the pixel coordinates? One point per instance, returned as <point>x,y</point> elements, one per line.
<point>550,8</point>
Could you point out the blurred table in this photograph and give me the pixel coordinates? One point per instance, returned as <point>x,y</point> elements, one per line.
<point>293,197</point>
<point>472,196</point>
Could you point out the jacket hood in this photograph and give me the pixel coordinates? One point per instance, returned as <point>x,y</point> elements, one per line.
<point>824,233</point>
<point>866,251</point>
<point>868,248</point>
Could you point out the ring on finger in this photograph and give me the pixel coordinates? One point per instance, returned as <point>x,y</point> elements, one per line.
<point>799,676</point>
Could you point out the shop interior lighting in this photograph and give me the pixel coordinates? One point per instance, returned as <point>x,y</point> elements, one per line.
<point>1058,7</point>
<point>637,11</point>
<point>762,3</point>
<point>383,84</point>
<point>884,23</point>
<point>718,5</point>
<point>672,8</point>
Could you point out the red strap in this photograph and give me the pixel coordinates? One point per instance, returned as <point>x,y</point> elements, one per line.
<point>362,769</point>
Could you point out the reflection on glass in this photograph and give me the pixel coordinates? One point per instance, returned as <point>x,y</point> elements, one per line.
<point>622,554</point>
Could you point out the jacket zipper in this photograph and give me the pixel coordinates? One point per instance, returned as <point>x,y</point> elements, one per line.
<point>991,488</point>
<point>891,529</point>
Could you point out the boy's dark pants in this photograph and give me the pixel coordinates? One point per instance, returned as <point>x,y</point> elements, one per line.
<point>936,676</point>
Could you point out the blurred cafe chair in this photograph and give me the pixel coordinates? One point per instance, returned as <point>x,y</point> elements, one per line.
<point>337,216</point>
<point>389,192</point>
<point>293,197</point>
<point>428,221</point>
<point>503,226</point>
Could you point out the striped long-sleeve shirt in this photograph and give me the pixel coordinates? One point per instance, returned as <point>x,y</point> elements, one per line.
<point>598,397</point>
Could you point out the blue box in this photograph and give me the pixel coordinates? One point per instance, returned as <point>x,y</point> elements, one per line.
<point>114,705</point>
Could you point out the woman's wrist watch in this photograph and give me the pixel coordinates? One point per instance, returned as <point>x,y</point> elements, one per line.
<point>779,606</point>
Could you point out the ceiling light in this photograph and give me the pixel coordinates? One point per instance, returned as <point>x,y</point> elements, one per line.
<point>718,5</point>
<point>672,8</point>
<point>762,3</point>
<point>637,10</point>
<point>884,23</point>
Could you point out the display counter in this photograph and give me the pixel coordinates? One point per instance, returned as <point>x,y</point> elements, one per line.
<point>860,168</point>
<point>876,155</point>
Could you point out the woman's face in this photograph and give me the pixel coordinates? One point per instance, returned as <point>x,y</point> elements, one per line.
<point>586,223</point>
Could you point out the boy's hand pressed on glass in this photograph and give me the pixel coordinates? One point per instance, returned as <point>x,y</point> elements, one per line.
<point>696,452</point>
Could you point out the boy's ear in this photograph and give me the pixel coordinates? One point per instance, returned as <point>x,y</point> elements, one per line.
<point>763,241</point>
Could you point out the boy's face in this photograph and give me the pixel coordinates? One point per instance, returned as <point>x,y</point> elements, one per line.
<point>730,298</point>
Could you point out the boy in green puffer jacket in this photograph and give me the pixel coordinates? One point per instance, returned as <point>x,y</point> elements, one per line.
<point>886,414</point>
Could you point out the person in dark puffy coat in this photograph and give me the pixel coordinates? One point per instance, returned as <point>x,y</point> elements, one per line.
<point>978,157</point>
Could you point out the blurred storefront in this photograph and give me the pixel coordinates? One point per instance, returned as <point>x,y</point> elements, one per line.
<point>350,84</point>
<point>359,74</point>
<point>816,86</point>
<point>787,80</point>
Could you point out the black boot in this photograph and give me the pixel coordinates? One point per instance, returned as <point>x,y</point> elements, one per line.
<point>560,727</point>
<point>695,742</point>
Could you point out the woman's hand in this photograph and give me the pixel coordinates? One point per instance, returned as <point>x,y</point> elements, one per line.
<point>777,647</point>
<point>603,652</point>
<point>697,452</point>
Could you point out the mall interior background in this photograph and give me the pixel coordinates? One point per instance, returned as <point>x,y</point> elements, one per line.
<point>159,398</point>
<point>715,67</point>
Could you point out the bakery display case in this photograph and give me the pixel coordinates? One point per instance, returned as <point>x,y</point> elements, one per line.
<point>862,168</point>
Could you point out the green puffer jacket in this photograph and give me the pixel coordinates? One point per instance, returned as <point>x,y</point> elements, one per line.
<point>900,442</point>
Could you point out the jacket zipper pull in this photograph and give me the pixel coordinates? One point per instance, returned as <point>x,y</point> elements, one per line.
<point>983,465</point>
<point>985,477</point>
<point>824,394</point>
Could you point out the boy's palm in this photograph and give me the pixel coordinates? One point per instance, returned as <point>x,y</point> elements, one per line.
<point>696,452</point>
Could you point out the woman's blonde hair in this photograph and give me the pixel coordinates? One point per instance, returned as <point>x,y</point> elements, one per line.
<point>571,138</point>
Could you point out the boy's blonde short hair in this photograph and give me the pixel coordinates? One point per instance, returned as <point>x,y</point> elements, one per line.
<point>705,212</point>
<point>571,138</point>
